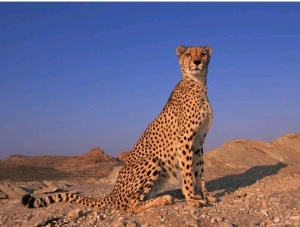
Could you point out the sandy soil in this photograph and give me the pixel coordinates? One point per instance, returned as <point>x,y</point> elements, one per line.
<point>248,195</point>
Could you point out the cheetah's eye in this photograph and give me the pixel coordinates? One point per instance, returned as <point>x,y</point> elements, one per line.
<point>203,54</point>
<point>188,55</point>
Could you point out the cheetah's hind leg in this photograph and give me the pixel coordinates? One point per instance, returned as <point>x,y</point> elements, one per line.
<point>151,203</point>
<point>144,180</point>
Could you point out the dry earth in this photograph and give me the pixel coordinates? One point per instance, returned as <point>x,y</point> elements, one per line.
<point>256,183</point>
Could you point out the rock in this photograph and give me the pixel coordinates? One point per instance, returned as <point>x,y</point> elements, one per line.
<point>225,224</point>
<point>262,224</point>
<point>122,156</point>
<point>75,214</point>
<point>219,219</point>
<point>112,177</point>
<point>30,186</point>
<point>125,222</point>
<point>213,220</point>
<point>296,218</point>
<point>45,190</point>
<point>265,212</point>
<point>11,191</point>
<point>276,220</point>
<point>62,184</point>
<point>16,190</point>
<point>3,195</point>
<point>240,194</point>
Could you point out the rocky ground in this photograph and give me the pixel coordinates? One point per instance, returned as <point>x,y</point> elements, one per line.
<point>256,183</point>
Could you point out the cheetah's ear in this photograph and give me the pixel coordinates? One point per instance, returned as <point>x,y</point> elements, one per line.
<point>180,50</point>
<point>208,50</point>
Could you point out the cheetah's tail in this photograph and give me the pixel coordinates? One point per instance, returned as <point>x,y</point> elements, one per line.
<point>33,202</point>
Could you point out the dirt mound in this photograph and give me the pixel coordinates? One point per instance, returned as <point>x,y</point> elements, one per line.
<point>244,153</point>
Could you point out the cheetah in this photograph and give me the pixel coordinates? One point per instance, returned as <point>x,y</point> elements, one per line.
<point>172,145</point>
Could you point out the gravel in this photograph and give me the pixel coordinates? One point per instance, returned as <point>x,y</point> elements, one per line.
<point>271,200</point>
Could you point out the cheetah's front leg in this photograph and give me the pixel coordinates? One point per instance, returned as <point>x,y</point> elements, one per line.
<point>188,178</point>
<point>198,166</point>
<point>198,171</point>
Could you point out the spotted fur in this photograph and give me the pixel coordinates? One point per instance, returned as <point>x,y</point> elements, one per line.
<point>172,145</point>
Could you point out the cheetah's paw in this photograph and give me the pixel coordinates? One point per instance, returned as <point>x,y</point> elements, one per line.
<point>196,202</point>
<point>211,199</point>
<point>167,199</point>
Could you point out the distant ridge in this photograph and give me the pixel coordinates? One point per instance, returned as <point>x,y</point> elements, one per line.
<point>95,155</point>
<point>92,165</point>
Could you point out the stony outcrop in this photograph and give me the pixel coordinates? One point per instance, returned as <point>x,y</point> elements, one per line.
<point>94,156</point>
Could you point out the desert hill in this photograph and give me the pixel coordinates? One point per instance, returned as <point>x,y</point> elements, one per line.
<point>246,153</point>
<point>93,164</point>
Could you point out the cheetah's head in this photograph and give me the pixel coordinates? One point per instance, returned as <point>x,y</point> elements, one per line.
<point>194,61</point>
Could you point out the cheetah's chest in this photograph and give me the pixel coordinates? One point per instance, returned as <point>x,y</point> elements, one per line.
<point>206,119</point>
<point>204,125</point>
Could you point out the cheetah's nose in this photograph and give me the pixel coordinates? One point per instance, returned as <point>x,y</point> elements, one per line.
<point>197,62</point>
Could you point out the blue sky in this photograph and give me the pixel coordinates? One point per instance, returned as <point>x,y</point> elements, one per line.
<point>74,76</point>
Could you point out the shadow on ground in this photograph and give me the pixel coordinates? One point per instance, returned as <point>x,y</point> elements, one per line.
<point>231,183</point>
